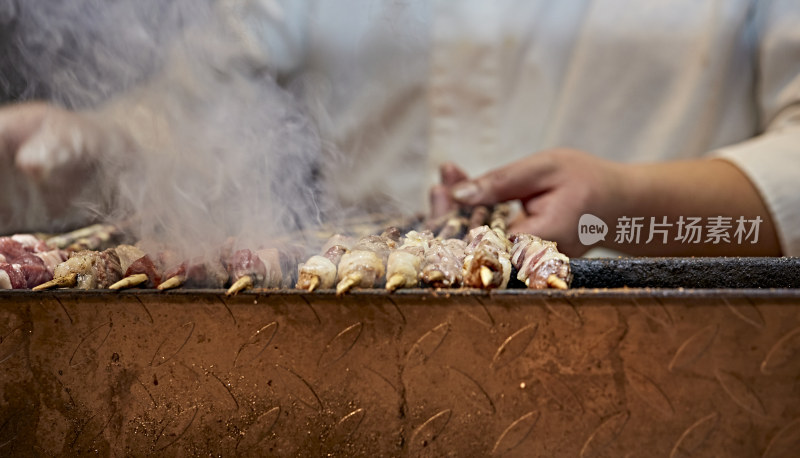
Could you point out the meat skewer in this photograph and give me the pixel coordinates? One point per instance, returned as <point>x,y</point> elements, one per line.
<point>435,225</point>
<point>453,229</point>
<point>539,263</point>
<point>365,265</point>
<point>404,264</point>
<point>11,248</point>
<point>12,277</point>
<point>91,237</point>
<point>443,264</point>
<point>199,272</point>
<point>142,271</point>
<point>128,254</point>
<point>86,270</point>
<point>264,268</point>
<point>499,218</point>
<point>26,261</point>
<point>319,271</point>
<point>478,217</point>
<point>245,270</point>
<point>488,261</point>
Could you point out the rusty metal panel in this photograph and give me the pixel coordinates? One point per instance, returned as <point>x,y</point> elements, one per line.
<point>607,373</point>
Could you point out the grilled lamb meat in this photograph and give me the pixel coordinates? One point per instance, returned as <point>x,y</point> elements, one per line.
<point>487,264</point>
<point>404,264</point>
<point>319,271</point>
<point>245,270</point>
<point>444,261</point>
<point>89,270</point>
<point>539,264</point>
<point>365,265</point>
<point>199,272</point>
<point>144,266</point>
<point>11,249</point>
<point>25,257</point>
<point>12,277</point>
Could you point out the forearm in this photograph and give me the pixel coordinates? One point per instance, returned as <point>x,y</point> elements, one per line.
<point>715,191</point>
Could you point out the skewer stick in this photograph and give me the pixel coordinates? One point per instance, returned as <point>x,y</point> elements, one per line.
<point>486,276</point>
<point>554,282</point>
<point>395,281</point>
<point>348,282</point>
<point>241,284</point>
<point>171,282</point>
<point>66,281</point>
<point>129,282</point>
<point>313,283</point>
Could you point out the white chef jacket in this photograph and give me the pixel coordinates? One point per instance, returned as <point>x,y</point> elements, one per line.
<point>402,86</point>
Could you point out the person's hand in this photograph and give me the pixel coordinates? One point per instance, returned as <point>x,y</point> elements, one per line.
<point>48,156</point>
<point>555,187</point>
<point>441,198</point>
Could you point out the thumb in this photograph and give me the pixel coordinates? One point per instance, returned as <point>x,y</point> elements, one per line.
<point>17,123</point>
<point>534,225</point>
<point>542,227</point>
<point>520,179</point>
<point>43,154</point>
<point>64,143</point>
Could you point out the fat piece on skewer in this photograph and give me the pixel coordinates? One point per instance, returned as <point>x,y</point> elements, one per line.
<point>539,263</point>
<point>405,264</point>
<point>128,254</point>
<point>365,265</point>
<point>319,271</point>
<point>141,272</point>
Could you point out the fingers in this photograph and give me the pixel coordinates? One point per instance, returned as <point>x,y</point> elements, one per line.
<point>46,151</point>
<point>441,202</point>
<point>451,174</point>
<point>17,123</point>
<point>534,219</point>
<point>60,145</point>
<point>520,179</point>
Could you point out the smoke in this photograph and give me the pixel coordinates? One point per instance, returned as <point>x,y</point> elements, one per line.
<point>217,148</point>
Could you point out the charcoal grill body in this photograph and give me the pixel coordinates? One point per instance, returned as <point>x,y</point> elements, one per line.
<point>586,372</point>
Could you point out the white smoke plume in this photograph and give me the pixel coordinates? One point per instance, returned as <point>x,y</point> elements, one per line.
<point>222,150</point>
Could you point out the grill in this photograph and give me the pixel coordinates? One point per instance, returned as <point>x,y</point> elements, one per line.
<point>647,370</point>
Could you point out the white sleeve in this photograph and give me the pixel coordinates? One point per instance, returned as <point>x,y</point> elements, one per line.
<point>772,160</point>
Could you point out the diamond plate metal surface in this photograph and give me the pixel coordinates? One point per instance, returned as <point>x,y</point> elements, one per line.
<point>587,373</point>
